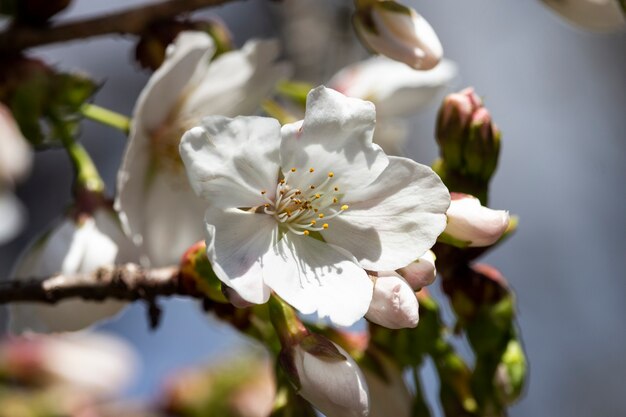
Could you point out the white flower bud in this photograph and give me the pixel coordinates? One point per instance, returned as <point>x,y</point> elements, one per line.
<point>596,15</point>
<point>420,273</point>
<point>399,33</point>
<point>470,222</point>
<point>335,386</point>
<point>394,304</point>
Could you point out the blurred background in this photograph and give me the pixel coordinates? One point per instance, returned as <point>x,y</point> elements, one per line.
<point>559,96</point>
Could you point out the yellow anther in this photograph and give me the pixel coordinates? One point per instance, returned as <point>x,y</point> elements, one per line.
<point>311,169</point>
<point>263,192</point>
<point>335,200</point>
<point>306,233</point>
<point>288,213</point>
<point>293,170</point>
<point>313,222</point>
<point>321,215</point>
<point>336,188</point>
<point>331,174</point>
<point>282,181</point>
<point>266,205</point>
<point>325,225</point>
<point>318,195</point>
<point>315,210</point>
<point>344,207</point>
<point>312,187</point>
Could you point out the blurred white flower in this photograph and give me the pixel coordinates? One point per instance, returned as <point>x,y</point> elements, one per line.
<point>473,224</point>
<point>396,90</point>
<point>394,303</point>
<point>78,244</point>
<point>94,363</point>
<point>389,395</point>
<point>304,210</point>
<point>596,15</point>
<point>157,206</point>
<point>15,162</point>
<point>398,32</point>
<point>334,386</point>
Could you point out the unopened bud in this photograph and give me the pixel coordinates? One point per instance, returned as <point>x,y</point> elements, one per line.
<point>151,49</point>
<point>483,146</point>
<point>471,224</point>
<point>398,32</point>
<point>394,303</point>
<point>327,377</point>
<point>421,272</point>
<point>197,276</point>
<point>453,122</point>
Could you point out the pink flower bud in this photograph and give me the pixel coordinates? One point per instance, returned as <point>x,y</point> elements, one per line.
<point>398,32</point>
<point>420,273</point>
<point>473,224</point>
<point>394,304</point>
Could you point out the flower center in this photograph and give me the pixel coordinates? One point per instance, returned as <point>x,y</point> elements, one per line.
<point>307,209</point>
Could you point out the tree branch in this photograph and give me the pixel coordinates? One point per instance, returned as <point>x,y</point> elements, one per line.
<point>131,21</point>
<point>127,282</point>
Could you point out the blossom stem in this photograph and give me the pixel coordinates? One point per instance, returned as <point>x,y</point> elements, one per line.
<point>288,326</point>
<point>106,117</point>
<point>87,176</point>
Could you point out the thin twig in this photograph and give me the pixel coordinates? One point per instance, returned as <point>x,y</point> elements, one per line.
<point>132,21</point>
<point>127,282</point>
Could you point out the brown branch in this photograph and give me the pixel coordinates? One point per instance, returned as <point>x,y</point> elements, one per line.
<point>131,21</point>
<point>127,282</point>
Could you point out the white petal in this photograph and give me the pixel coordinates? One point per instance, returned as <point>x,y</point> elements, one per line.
<point>231,161</point>
<point>394,304</point>
<point>598,15</point>
<point>391,135</point>
<point>336,388</point>
<point>395,219</point>
<point>395,88</point>
<point>236,82</point>
<point>236,243</point>
<point>69,249</point>
<point>12,216</point>
<point>163,90</point>
<point>155,103</point>
<point>172,218</point>
<point>335,136</point>
<point>317,277</point>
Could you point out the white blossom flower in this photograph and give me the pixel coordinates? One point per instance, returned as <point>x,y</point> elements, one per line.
<point>15,162</point>
<point>97,363</point>
<point>474,224</point>
<point>76,245</point>
<point>394,303</point>
<point>398,32</point>
<point>397,90</point>
<point>335,387</point>
<point>156,203</point>
<point>304,210</point>
<point>597,15</point>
